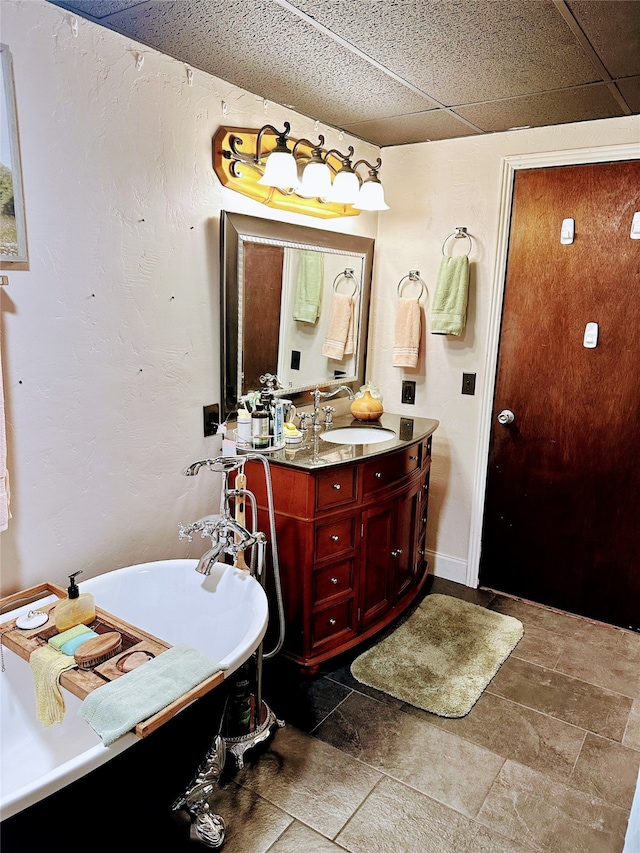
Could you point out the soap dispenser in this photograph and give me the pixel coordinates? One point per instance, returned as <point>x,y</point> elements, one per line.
<point>78,608</point>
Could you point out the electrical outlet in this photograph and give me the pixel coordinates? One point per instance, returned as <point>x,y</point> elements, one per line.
<point>211,418</point>
<point>408,391</point>
<point>468,383</point>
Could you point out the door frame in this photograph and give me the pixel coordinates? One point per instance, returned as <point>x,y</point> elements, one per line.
<point>510,165</point>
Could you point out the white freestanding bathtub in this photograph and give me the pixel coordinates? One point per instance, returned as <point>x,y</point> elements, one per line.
<point>223,615</point>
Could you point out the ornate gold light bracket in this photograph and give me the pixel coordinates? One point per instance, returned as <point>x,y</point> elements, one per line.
<point>243,177</point>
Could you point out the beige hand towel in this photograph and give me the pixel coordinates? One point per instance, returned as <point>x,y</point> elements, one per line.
<point>47,665</point>
<point>449,310</point>
<point>407,333</point>
<point>339,339</point>
<point>5,513</point>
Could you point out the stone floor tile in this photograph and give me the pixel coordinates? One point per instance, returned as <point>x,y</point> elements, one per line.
<point>447,767</point>
<point>298,838</point>
<point>309,779</point>
<point>632,732</point>
<point>442,586</point>
<point>540,646</point>
<point>607,770</point>
<point>550,816</point>
<point>302,702</point>
<point>398,819</point>
<point>252,823</point>
<point>584,705</point>
<point>602,666</point>
<point>513,731</point>
<point>617,640</point>
<point>343,676</point>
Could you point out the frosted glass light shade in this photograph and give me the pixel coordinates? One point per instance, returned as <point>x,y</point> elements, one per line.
<point>371,197</point>
<point>346,187</point>
<point>280,171</point>
<point>316,181</point>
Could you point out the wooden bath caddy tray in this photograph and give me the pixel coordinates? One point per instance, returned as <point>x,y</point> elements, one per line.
<point>82,682</point>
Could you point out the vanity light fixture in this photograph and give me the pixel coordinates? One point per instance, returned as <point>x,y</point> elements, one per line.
<point>278,171</point>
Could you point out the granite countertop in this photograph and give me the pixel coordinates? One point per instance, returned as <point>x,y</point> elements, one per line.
<point>314,453</point>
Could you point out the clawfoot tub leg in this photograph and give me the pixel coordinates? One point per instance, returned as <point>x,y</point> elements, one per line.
<point>206,826</point>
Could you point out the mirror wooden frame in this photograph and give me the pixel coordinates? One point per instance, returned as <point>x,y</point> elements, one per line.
<point>235,228</point>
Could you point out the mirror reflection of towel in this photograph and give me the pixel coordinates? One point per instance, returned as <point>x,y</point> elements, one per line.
<point>306,306</point>
<point>407,333</point>
<point>339,339</point>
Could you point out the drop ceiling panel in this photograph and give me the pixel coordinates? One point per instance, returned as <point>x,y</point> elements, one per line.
<point>464,51</point>
<point>417,127</point>
<point>386,69</point>
<point>613,28</point>
<point>580,104</point>
<point>261,47</point>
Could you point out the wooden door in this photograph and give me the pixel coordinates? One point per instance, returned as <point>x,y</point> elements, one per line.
<point>562,508</point>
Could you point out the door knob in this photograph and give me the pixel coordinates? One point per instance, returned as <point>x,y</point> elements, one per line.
<point>506,416</point>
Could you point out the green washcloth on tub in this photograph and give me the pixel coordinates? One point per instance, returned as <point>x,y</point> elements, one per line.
<point>449,309</point>
<point>117,707</point>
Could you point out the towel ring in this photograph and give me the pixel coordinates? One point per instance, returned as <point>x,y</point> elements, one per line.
<point>414,275</point>
<point>346,274</point>
<point>460,234</point>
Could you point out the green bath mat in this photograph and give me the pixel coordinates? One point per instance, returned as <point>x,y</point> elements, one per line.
<point>442,657</point>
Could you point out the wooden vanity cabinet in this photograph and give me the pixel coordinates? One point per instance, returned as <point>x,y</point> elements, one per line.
<point>351,546</point>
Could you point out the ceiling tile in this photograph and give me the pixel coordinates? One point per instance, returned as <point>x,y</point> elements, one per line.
<point>613,28</point>
<point>630,90</point>
<point>579,104</point>
<point>417,127</point>
<point>242,43</point>
<point>463,51</point>
<point>100,8</point>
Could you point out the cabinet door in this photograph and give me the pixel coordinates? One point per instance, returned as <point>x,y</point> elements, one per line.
<point>404,560</point>
<point>378,534</point>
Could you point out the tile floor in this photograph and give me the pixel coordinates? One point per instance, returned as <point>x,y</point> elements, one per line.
<point>547,760</point>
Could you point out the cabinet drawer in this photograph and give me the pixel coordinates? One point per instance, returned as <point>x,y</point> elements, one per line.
<point>386,470</point>
<point>333,621</point>
<point>336,487</point>
<point>334,579</point>
<point>335,537</point>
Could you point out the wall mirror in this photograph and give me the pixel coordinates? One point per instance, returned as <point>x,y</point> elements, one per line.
<point>13,232</point>
<point>272,272</point>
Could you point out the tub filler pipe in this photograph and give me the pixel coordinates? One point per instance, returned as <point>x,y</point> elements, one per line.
<point>246,719</point>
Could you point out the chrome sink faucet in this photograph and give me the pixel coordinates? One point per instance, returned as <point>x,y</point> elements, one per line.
<point>318,395</point>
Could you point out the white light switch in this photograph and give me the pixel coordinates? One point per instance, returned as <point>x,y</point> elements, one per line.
<point>635,226</point>
<point>591,336</point>
<point>567,232</point>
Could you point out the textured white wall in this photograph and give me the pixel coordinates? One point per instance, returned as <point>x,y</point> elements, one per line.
<point>110,342</point>
<point>432,189</point>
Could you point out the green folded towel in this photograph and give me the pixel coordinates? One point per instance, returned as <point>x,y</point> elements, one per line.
<point>117,707</point>
<point>449,309</point>
<point>308,297</point>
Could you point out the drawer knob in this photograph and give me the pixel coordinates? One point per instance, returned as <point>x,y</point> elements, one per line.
<point>397,552</point>
<point>332,622</point>
<point>334,581</point>
<point>337,486</point>
<point>415,458</point>
<point>378,475</point>
<point>335,537</point>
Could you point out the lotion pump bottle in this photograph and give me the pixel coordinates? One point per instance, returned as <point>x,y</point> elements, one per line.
<point>77,609</point>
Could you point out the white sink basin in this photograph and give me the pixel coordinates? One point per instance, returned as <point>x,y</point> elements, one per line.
<point>358,435</point>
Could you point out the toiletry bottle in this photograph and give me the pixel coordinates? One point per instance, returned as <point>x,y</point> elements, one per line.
<point>77,609</point>
<point>243,428</point>
<point>260,427</point>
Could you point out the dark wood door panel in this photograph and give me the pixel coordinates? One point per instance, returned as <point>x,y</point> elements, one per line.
<point>561,511</point>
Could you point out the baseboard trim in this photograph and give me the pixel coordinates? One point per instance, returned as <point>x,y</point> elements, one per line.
<point>449,568</point>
